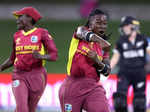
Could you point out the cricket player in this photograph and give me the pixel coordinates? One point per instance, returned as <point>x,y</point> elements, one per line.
<point>130,51</point>
<point>31,46</point>
<point>88,58</point>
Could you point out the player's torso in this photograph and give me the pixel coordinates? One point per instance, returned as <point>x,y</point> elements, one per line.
<point>133,52</point>
<point>25,44</point>
<point>80,54</point>
<point>84,48</point>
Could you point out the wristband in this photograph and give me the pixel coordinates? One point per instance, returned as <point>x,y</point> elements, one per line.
<point>104,70</point>
<point>89,36</point>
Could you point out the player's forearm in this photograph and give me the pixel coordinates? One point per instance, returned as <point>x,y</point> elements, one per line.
<point>8,63</point>
<point>99,64</point>
<point>89,36</point>
<point>113,63</point>
<point>104,44</point>
<point>114,60</point>
<point>51,57</point>
<point>103,67</point>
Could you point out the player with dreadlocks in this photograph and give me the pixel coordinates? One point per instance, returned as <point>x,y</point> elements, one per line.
<point>88,58</point>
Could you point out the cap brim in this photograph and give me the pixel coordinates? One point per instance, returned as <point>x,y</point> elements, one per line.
<point>16,14</point>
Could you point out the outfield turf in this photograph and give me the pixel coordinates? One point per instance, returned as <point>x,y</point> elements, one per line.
<point>61,31</point>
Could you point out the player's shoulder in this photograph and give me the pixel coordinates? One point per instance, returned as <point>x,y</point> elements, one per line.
<point>16,34</point>
<point>42,29</point>
<point>142,36</point>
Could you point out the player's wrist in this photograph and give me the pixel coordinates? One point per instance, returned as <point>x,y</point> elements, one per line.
<point>89,36</point>
<point>99,62</point>
<point>101,65</point>
<point>45,57</point>
<point>104,70</point>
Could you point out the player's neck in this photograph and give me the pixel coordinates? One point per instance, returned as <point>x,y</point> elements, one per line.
<point>28,28</point>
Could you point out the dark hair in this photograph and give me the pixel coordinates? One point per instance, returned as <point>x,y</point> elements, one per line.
<point>33,22</point>
<point>93,13</point>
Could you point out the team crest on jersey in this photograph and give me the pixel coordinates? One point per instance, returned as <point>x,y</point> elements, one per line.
<point>68,108</point>
<point>125,46</point>
<point>34,39</point>
<point>15,83</point>
<point>139,44</point>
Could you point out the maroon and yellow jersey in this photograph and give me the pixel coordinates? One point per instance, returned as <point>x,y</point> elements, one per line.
<point>79,65</point>
<point>25,43</point>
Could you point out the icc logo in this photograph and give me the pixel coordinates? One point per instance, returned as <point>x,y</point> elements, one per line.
<point>34,39</point>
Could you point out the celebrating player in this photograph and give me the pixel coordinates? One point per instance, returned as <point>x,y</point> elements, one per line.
<point>31,46</point>
<point>131,49</point>
<point>81,89</point>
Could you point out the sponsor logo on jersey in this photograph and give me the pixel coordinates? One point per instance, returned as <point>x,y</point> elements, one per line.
<point>139,44</point>
<point>34,39</point>
<point>133,53</point>
<point>140,84</point>
<point>125,46</point>
<point>68,108</point>
<point>15,83</point>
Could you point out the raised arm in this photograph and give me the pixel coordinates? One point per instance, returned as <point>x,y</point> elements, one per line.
<point>84,34</point>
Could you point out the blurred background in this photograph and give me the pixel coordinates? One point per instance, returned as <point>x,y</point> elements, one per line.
<point>61,18</point>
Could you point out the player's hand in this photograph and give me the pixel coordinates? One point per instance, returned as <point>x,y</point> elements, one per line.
<point>36,55</point>
<point>92,55</point>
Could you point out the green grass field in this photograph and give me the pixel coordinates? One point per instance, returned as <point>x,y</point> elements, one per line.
<point>62,33</point>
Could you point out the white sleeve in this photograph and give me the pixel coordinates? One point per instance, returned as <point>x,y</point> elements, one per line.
<point>115,51</point>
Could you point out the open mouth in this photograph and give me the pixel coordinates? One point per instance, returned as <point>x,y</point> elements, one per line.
<point>101,32</point>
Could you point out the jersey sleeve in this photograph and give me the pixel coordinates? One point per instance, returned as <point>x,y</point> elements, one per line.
<point>13,53</point>
<point>49,45</point>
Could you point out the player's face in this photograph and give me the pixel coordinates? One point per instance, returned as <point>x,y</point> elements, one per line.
<point>127,29</point>
<point>99,24</point>
<point>23,21</point>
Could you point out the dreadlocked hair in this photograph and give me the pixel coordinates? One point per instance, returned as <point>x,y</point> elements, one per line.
<point>93,13</point>
<point>33,22</point>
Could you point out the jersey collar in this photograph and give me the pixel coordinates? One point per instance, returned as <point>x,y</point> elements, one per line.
<point>28,32</point>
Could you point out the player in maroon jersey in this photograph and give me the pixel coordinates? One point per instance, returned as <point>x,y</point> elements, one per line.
<point>31,46</point>
<point>88,58</point>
